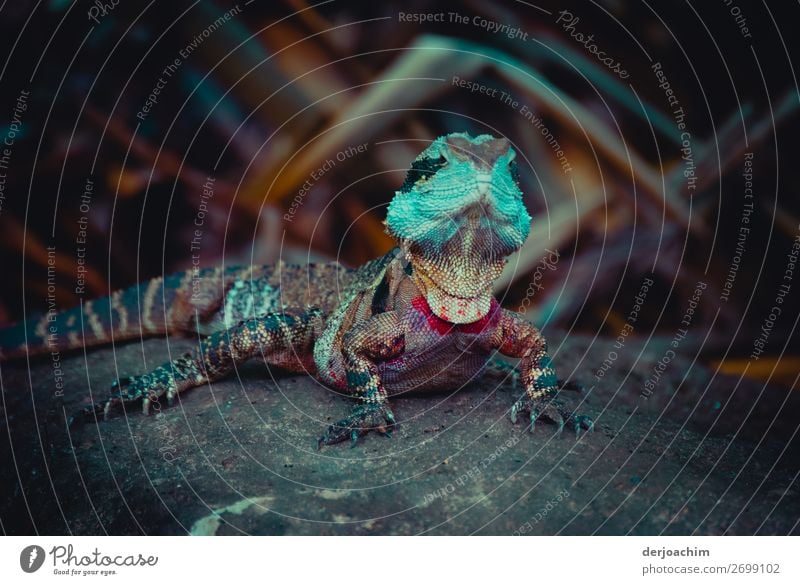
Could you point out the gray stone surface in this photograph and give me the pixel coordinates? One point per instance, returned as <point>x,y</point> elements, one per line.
<point>241,458</point>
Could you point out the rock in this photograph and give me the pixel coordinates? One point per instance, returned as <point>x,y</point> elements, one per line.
<point>240,457</point>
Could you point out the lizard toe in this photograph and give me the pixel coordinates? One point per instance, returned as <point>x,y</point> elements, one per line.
<point>363,419</point>
<point>126,392</point>
<point>553,411</point>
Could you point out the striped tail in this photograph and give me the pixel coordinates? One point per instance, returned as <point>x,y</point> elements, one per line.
<point>160,305</point>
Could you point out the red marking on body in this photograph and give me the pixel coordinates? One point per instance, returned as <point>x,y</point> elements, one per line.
<point>489,319</point>
<point>436,323</point>
<point>337,381</point>
<point>443,327</point>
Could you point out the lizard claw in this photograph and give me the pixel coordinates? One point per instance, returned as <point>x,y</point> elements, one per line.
<point>553,411</point>
<point>130,390</point>
<point>364,418</point>
<point>582,421</point>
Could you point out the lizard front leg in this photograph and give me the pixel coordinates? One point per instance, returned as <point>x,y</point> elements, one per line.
<point>218,354</point>
<point>515,337</point>
<point>377,339</point>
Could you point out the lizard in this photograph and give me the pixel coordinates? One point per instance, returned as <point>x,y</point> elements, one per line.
<point>421,317</point>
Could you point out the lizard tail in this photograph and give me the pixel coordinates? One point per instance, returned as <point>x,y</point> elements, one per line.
<point>150,308</point>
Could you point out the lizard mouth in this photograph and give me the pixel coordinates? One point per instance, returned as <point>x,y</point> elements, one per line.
<point>451,307</point>
<point>456,271</point>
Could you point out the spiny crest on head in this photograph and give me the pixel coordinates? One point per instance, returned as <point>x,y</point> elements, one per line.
<point>483,151</point>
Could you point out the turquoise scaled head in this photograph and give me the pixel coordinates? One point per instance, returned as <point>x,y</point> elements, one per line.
<point>458,217</point>
<point>455,172</point>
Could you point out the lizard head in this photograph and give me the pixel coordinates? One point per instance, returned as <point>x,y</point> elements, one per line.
<point>458,217</point>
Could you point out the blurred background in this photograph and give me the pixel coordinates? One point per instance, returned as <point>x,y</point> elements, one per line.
<point>148,137</point>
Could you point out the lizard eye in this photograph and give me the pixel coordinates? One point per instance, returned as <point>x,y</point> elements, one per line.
<point>422,169</point>
<point>513,169</point>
